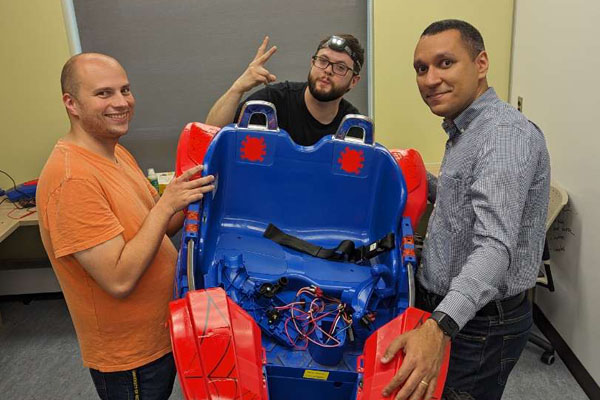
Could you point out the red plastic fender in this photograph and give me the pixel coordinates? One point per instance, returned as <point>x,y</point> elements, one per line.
<point>376,375</point>
<point>415,175</point>
<point>217,348</point>
<point>193,142</point>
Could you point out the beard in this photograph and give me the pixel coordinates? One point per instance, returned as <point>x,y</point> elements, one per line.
<point>324,96</point>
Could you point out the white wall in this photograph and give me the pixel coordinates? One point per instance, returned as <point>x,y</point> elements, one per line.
<point>556,68</point>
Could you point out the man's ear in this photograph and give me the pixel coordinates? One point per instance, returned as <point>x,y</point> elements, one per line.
<point>354,81</point>
<point>483,64</point>
<point>70,104</point>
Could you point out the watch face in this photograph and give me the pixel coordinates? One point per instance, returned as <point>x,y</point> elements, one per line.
<point>446,324</point>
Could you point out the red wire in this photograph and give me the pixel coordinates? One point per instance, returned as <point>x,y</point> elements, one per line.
<point>316,312</point>
<point>290,338</point>
<point>21,217</point>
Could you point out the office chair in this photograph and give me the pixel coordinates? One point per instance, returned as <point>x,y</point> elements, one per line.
<point>558,199</point>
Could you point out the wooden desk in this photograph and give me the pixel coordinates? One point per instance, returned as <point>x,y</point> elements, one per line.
<point>8,225</point>
<point>24,265</point>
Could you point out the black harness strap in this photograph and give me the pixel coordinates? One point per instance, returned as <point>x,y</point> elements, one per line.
<point>345,251</point>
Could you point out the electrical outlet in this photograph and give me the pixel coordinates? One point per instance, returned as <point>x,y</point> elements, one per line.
<point>520,104</point>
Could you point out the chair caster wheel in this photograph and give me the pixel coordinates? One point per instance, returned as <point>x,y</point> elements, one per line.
<point>548,357</point>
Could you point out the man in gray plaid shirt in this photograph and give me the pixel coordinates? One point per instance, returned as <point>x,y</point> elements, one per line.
<point>486,234</point>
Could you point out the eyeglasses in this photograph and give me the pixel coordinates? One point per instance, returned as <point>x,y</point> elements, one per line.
<point>340,69</point>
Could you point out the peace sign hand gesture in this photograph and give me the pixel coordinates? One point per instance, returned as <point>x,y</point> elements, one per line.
<point>256,73</point>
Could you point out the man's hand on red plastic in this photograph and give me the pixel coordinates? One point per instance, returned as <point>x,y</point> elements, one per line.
<point>256,73</point>
<point>184,190</point>
<point>423,355</point>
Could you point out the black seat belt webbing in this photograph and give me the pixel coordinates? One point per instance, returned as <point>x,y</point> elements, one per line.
<point>345,251</point>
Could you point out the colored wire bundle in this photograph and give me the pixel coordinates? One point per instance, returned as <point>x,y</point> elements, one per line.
<point>310,307</point>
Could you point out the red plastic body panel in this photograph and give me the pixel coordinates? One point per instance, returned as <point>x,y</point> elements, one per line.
<point>376,375</point>
<point>217,348</point>
<point>193,142</point>
<point>415,176</point>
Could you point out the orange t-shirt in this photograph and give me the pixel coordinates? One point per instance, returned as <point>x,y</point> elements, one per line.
<point>84,200</point>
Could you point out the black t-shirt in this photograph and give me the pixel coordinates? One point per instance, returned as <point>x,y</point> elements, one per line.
<point>292,114</point>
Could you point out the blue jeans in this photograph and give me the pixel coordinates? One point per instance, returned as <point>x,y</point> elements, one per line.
<point>153,381</point>
<point>485,351</point>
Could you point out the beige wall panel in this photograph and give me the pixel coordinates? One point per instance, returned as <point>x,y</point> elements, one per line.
<point>401,117</point>
<point>34,46</point>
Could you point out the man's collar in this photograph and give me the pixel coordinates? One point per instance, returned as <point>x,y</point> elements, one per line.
<point>459,124</point>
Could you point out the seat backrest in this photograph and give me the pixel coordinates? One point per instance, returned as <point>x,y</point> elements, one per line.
<point>340,188</point>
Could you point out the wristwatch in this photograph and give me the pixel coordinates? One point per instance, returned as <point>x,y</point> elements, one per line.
<point>446,324</point>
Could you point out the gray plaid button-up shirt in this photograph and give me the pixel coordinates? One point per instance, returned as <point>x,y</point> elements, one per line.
<point>486,234</point>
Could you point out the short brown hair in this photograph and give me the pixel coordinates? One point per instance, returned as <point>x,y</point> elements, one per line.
<point>68,79</point>
<point>468,33</point>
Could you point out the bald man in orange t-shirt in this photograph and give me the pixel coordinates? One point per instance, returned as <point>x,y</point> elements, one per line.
<point>104,228</point>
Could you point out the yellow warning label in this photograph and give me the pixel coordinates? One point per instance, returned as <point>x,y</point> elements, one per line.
<point>312,374</point>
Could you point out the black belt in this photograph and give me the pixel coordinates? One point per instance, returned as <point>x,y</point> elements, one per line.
<point>490,309</point>
<point>508,304</point>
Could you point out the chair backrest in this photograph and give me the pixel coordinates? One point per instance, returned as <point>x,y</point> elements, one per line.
<point>558,199</point>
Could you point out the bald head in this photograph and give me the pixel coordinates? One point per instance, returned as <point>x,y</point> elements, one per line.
<point>97,97</point>
<point>70,79</point>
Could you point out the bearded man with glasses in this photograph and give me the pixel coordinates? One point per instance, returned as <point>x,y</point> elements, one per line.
<point>308,110</point>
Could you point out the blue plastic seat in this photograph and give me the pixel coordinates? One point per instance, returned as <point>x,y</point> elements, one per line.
<point>342,188</point>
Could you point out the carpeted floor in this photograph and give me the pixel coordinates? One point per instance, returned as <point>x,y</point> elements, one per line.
<point>39,360</point>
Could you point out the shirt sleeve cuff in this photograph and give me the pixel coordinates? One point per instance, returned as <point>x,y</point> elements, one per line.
<point>458,307</point>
